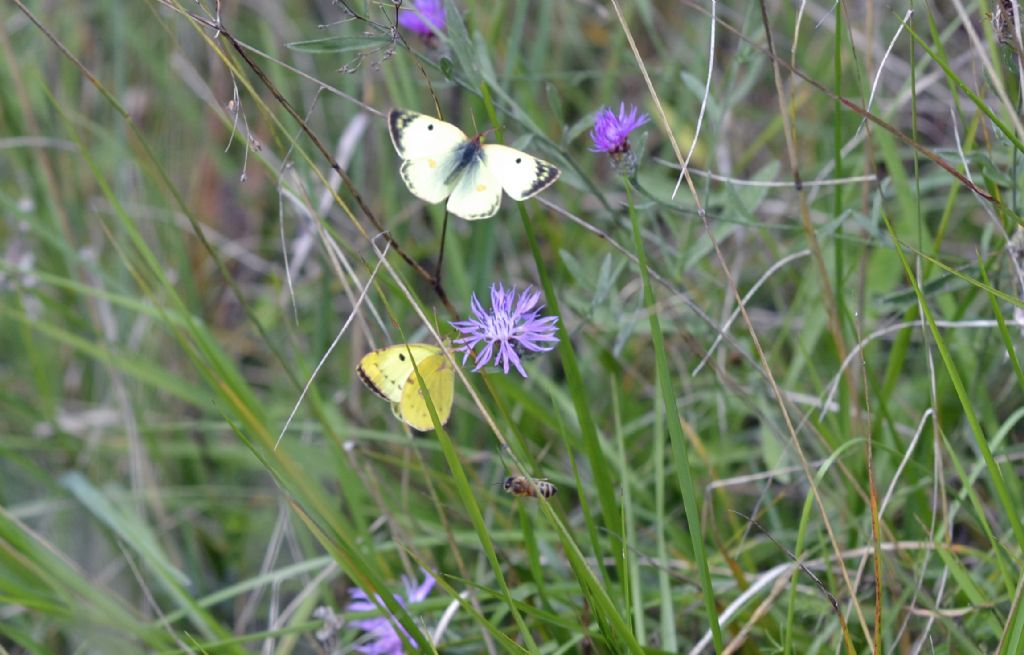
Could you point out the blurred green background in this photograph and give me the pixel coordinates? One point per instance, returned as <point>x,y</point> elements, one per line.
<point>832,469</point>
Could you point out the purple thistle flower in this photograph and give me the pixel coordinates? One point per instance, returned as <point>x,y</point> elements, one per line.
<point>426,14</point>
<point>511,328</point>
<point>384,639</point>
<point>611,132</point>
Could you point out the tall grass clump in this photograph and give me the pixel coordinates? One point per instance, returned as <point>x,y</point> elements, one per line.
<point>743,379</point>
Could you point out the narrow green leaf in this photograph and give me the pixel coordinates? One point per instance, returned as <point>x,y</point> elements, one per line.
<point>340,44</point>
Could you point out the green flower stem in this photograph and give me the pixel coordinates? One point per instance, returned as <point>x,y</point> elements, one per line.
<point>680,451</point>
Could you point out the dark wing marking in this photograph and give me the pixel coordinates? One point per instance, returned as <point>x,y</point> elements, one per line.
<point>546,174</point>
<point>369,383</point>
<point>398,119</point>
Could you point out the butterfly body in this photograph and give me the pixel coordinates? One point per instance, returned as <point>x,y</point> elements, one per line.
<point>390,373</point>
<point>440,161</point>
<point>469,153</point>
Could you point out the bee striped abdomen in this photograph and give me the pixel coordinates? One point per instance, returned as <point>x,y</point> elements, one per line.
<point>520,485</point>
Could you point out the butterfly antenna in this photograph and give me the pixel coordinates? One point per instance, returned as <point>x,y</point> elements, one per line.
<point>490,129</point>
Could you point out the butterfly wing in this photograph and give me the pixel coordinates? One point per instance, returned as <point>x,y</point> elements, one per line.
<point>416,136</point>
<point>439,382</point>
<point>430,178</point>
<point>477,194</point>
<point>386,371</point>
<point>430,148</point>
<point>522,176</point>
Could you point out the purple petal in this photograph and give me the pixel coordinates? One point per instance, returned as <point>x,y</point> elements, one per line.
<point>375,625</point>
<point>368,607</point>
<point>384,645</point>
<point>532,344</point>
<point>417,594</point>
<point>358,593</point>
<point>497,295</point>
<point>484,357</point>
<point>426,14</point>
<point>527,300</point>
<point>477,308</point>
<point>519,367</point>
<point>512,357</point>
<point>509,355</point>
<point>470,324</point>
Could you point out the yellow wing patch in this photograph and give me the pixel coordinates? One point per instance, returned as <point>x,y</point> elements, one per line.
<point>439,382</point>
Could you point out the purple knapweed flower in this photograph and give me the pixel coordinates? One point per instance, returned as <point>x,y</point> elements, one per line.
<point>509,329</point>
<point>384,639</point>
<point>611,132</point>
<point>426,14</point>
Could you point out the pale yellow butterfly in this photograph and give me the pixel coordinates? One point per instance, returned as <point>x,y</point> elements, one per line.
<point>389,373</point>
<point>440,162</point>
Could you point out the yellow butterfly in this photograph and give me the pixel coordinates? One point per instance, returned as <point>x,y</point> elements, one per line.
<point>389,373</point>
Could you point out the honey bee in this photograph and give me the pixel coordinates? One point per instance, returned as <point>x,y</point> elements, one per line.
<point>520,485</point>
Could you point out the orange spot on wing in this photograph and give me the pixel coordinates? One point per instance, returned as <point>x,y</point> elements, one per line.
<point>432,163</point>
<point>481,187</point>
